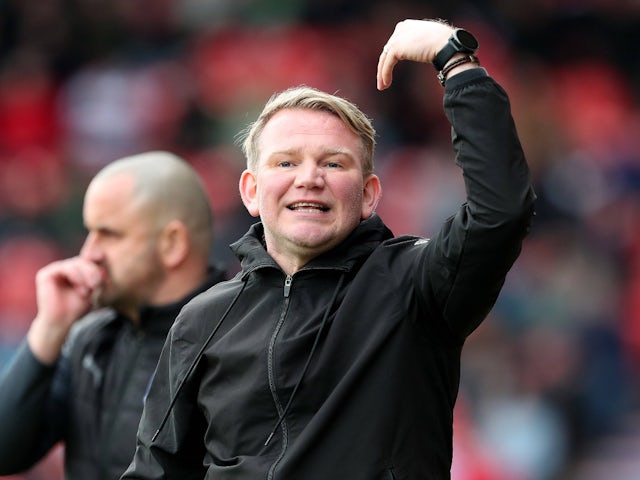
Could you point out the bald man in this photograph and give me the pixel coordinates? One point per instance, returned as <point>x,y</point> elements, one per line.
<point>81,374</point>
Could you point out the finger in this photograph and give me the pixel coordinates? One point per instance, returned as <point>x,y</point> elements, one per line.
<point>386,63</point>
<point>93,275</point>
<point>379,79</point>
<point>76,273</point>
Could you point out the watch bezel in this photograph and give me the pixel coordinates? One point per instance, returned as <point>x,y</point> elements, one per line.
<point>464,40</point>
<point>460,41</point>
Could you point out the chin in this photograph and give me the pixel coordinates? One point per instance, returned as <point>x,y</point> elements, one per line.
<point>317,244</point>
<point>104,300</point>
<point>311,238</point>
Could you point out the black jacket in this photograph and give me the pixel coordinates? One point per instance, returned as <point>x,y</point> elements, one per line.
<point>348,369</point>
<point>91,399</point>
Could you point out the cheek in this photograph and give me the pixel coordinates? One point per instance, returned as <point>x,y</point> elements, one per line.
<point>270,191</point>
<point>120,260</point>
<point>128,253</point>
<point>142,265</point>
<point>353,201</point>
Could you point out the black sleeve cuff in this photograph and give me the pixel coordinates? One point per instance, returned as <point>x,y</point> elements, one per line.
<point>468,76</point>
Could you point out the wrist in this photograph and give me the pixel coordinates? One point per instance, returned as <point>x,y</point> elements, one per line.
<point>459,42</point>
<point>45,341</point>
<point>457,64</point>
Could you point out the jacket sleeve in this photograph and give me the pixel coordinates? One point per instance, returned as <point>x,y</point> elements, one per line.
<point>468,260</point>
<point>170,439</point>
<point>31,411</point>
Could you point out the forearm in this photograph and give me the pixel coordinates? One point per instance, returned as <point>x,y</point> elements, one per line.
<point>46,340</point>
<point>24,389</point>
<point>482,241</point>
<point>487,147</point>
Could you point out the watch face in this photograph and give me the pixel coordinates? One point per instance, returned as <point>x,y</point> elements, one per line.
<point>466,40</point>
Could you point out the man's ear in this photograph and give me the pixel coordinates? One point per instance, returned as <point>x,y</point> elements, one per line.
<point>249,193</point>
<point>174,244</point>
<point>371,193</point>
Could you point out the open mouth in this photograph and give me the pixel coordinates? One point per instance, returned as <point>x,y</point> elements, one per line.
<point>308,207</point>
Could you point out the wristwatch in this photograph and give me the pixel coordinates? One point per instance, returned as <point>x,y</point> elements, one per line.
<point>461,41</point>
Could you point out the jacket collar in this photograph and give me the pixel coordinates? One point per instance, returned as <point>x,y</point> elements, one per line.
<point>251,250</point>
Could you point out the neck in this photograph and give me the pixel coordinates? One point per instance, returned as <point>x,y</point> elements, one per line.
<point>178,285</point>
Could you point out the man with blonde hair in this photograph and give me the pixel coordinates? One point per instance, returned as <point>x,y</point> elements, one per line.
<point>335,353</point>
<point>82,372</point>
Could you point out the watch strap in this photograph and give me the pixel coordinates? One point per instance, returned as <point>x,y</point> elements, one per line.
<point>444,55</point>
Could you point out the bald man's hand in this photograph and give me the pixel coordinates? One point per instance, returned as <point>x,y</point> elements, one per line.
<point>64,292</point>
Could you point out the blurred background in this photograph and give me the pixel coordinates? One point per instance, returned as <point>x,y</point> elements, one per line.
<point>550,381</point>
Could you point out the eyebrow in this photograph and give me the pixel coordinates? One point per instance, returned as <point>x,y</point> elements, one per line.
<point>326,152</point>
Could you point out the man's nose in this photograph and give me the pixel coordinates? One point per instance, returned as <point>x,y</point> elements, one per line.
<point>91,248</point>
<point>310,175</point>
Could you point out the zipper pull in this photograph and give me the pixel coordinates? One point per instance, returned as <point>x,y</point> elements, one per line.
<point>287,285</point>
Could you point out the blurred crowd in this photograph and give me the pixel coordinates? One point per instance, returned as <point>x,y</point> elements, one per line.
<point>550,381</point>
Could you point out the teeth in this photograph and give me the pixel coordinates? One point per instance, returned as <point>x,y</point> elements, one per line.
<point>308,206</point>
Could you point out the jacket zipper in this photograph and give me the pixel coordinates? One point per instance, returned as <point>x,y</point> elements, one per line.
<point>287,285</point>
<point>271,376</point>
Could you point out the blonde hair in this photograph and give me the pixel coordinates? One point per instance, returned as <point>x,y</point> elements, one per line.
<point>312,99</point>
